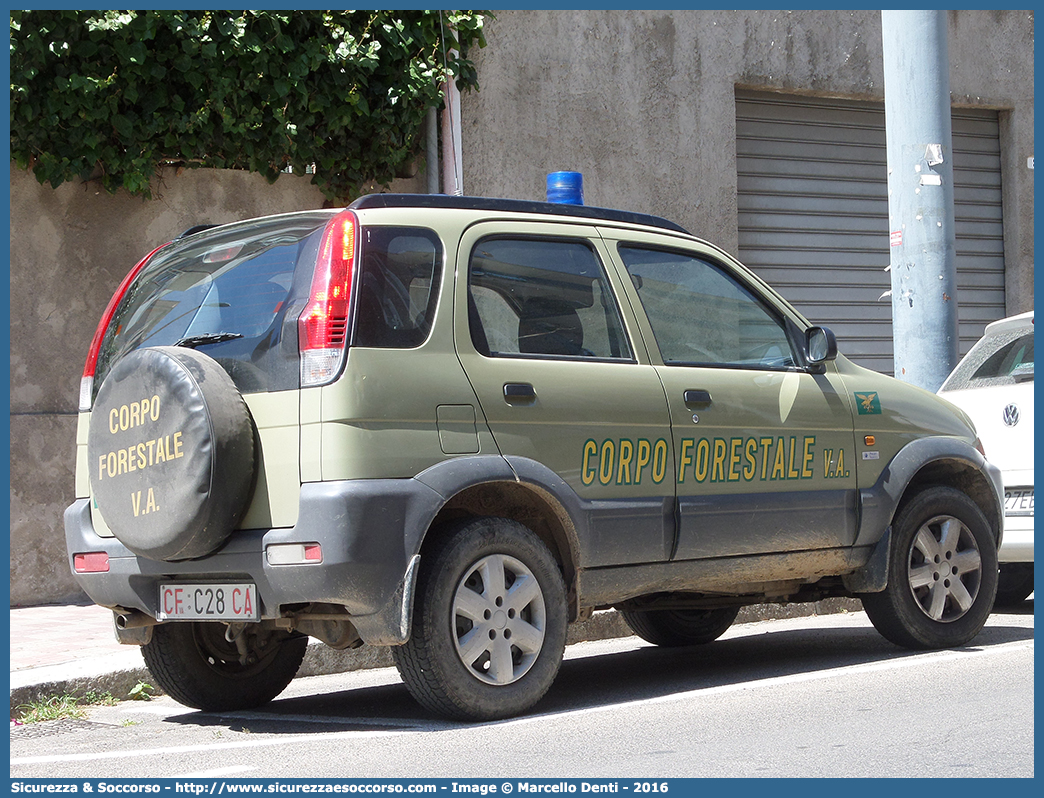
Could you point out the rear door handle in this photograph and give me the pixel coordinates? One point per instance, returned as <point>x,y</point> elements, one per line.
<point>697,397</point>
<point>518,393</point>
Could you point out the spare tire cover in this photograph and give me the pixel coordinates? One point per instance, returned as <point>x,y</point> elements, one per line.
<point>171,453</point>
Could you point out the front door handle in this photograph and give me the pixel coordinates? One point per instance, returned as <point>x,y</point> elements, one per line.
<point>697,397</point>
<point>519,393</point>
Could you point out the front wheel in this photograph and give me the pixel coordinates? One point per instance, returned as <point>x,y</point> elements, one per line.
<point>942,573</point>
<point>680,627</point>
<point>196,665</point>
<point>489,623</point>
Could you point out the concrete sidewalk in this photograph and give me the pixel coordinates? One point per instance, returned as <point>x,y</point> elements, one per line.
<point>68,650</point>
<point>71,649</point>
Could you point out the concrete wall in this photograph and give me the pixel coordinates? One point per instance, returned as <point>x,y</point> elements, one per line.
<point>643,103</point>
<point>991,65</point>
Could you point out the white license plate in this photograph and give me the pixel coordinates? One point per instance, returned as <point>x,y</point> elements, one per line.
<point>208,602</point>
<point>1018,501</point>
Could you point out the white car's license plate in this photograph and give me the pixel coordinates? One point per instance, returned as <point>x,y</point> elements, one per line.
<point>1018,501</point>
<point>208,602</point>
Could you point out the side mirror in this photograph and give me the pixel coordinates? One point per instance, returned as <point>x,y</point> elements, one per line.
<point>820,345</point>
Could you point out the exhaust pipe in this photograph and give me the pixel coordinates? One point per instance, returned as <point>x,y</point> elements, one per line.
<point>134,620</point>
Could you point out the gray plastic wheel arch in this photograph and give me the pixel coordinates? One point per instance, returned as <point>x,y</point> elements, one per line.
<point>879,502</point>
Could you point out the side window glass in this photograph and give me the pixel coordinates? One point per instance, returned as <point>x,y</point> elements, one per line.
<point>398,286</point>
<point>700,314</point>
<point>542,297</point>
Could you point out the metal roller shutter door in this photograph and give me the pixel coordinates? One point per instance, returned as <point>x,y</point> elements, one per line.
<point>813,215</point>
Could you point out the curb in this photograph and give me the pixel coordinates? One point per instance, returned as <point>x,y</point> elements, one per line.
<point>119,673</point>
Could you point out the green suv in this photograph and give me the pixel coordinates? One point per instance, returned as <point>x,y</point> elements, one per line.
<point>455,425</point>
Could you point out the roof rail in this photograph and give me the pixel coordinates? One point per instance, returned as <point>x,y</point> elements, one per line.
<point>510,205</point>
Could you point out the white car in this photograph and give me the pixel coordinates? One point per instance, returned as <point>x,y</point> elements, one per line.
<point>994,385</point>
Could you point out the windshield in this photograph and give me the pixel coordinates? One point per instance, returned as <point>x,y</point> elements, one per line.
<point>225,292</point>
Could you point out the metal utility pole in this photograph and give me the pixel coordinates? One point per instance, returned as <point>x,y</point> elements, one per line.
<point>432,151</point>
<point>920,195</point>
<point>452,168</point>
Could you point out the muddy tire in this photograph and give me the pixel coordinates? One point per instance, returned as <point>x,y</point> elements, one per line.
<point>196,666</point>
<point>489,622</point>
<point>680,627</point>
<point>171,453</point>
<point>942,573</point>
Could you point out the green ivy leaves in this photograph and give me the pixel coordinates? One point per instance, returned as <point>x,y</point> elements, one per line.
<point>112,95</point>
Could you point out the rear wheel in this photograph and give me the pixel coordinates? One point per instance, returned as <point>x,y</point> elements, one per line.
<point>680,627</point>
<point>489,623</point>
<point>1016,583</point>
<point>942,573</point>
<point>198,666</point>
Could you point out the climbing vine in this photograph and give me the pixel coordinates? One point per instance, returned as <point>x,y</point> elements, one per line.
<point>113,95</point>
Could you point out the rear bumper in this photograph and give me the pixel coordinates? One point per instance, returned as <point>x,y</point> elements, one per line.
<point>1017,543</point>
<point>369,531</point>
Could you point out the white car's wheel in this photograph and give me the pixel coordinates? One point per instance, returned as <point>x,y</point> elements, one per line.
<point>1016,583</point>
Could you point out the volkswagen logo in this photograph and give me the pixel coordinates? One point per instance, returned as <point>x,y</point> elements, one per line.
<point>1011,415</point>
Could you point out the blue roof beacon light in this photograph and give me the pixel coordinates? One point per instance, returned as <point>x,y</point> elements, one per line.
<point>566,188</point>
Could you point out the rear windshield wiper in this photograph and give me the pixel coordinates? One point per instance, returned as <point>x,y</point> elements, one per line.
<point>1023,373</point>
<point>193,341</point>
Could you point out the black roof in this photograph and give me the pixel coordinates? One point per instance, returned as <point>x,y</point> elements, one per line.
<point>511,206</point>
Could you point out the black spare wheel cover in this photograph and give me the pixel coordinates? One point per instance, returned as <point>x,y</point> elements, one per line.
<point>171,453</point>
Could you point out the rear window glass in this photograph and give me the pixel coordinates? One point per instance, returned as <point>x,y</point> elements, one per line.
<point>227,294</point>
<point>1001,359</point>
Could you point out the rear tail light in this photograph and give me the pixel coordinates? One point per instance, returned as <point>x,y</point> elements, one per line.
<point>322,327</point>
<point>87,381</point>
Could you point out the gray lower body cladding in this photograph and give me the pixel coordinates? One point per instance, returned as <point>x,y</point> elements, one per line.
<point>361,526</point>
<point>774,574</point>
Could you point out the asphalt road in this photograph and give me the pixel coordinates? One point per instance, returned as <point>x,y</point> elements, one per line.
<point>814,697</point>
